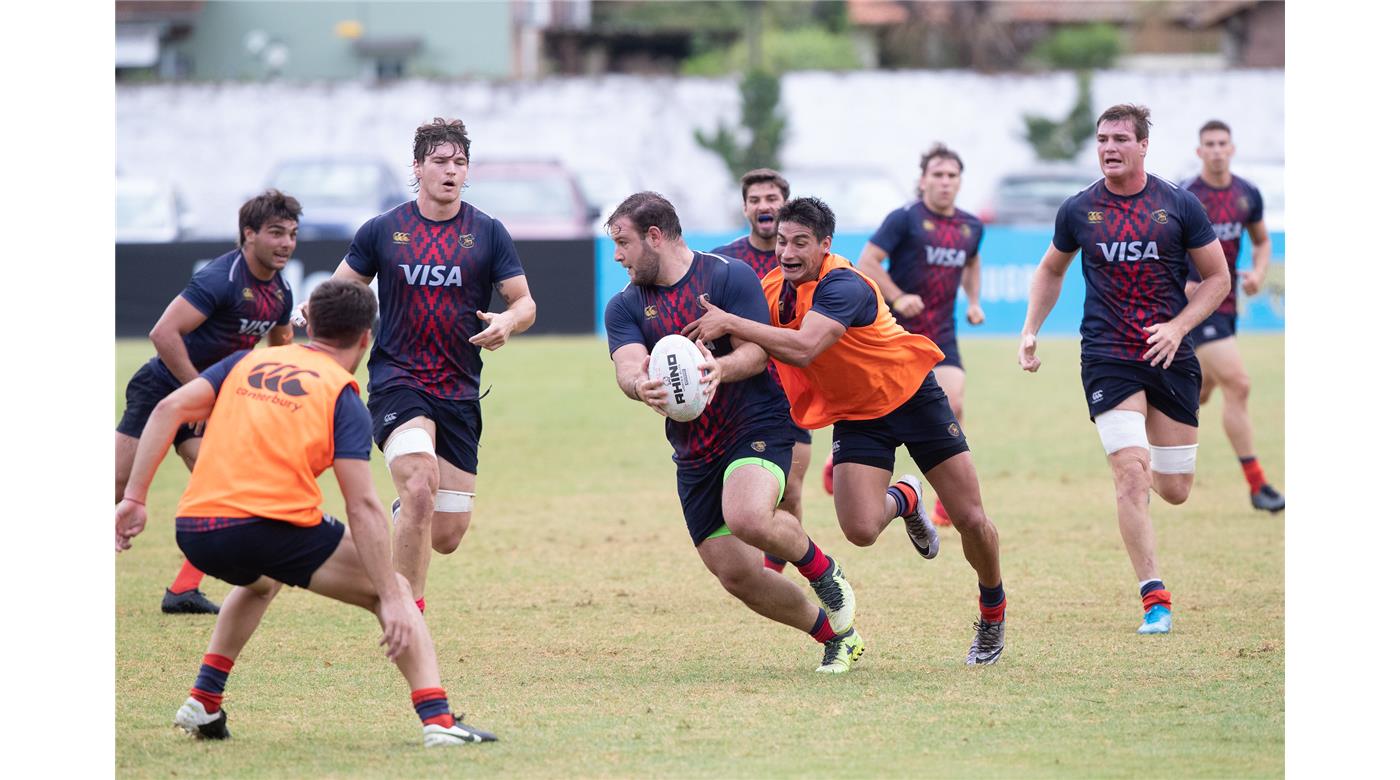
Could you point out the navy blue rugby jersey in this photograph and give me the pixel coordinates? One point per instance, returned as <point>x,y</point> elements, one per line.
<point>433,278</point>
<point>1135,261</point>
<point>1230,209</point>
<point>642,315</point>
<point>927,254</point>
<point>761,262</point>
<point>239,308</point>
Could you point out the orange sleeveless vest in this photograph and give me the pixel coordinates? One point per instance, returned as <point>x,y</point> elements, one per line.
<point>272,432</point>
<point>868,373</point>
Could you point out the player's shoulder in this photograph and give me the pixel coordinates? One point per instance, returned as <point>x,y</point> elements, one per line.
<point>967,218</point>
<point>222,268</point>
<point>1244,184</point>
<point>731,249</point>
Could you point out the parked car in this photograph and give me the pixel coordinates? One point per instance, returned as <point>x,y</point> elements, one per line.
<point>151,211</point>
<point>535,199</point>
<point>604,188</point>
<point>339,194</point>
<point>1034,196</point>
<point>860,197</point>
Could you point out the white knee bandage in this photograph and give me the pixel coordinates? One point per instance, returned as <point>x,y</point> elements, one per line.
<point>1174,460</point>
<point>453,501</point>
<point>1119,428</point>
<point>406,441</point>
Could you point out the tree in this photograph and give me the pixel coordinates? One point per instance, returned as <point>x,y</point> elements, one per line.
<point>758,141</point>
<point>1062,139</point>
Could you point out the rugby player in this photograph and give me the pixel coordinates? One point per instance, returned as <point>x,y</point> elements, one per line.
<point>1234,207</point>
<point>278,418</point>
<point>1139,235</point>
<point>845,361</point>
<point>932,246</point>
<point>228,305</point>
<point>732,461</point>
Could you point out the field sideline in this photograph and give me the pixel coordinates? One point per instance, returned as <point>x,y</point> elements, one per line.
<point>577,622</point>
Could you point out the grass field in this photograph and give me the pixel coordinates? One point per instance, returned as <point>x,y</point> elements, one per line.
<point>577,622</point>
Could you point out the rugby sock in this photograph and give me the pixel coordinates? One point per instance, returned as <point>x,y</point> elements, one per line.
<point>814,564</point>
<point>992,603</point>
<point>773,562</point>
<point>188,579</point>
<point>1253,473</point>
<point>905,499</point>
<point>422,605</point>
<point>1154,592</point>
<point>821,630</point>
<point>431,704</point>
<point>209,685</point>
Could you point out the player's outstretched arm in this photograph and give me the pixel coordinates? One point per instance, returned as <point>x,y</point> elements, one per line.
<point>192,402</point>
<point>1046,282</point>
<point>871,263</point>
<point>369,527</point>
<point>1253,279</point>
<point>342,271</point>
<point>972,286</point>
<point>794,347</point>
<point>744,360</point>
<point>517,318</point>
<point>631,361</point>
<point>168,336</point>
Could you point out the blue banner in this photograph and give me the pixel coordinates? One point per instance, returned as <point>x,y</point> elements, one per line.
<point>1009,257</point>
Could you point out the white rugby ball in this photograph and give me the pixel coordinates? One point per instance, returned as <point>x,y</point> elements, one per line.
<point>675,360</point>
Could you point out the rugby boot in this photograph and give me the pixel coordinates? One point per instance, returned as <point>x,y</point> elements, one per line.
<point>921,532</point>
<point>1157,620</point>
<point>940,515</point>
<point>840,653</point>
<point>459,734</point>
<point>987,642</point>
<point>837,597</point>
<point>1267,498</point>
<point>199,724</point>
<point>191,602</point>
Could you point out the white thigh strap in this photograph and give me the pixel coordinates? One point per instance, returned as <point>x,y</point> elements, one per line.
<point>453,501</point>
<point>1174,460</point>
<point>1120,428</point>
<point>406,441</point>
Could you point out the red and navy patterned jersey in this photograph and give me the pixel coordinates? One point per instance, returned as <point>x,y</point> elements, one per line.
<point>433,278</point>
<point>761,262</point>
<point>1231,210</point>
<point>927,254</point>
<point>239,309</point>
<point>738,410</point>
<point>1135,261</point>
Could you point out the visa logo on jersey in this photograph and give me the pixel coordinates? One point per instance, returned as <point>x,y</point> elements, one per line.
<point>945,256</point>
<point>1228,231</point>
<point>433,275</point>
<point>1129,251</point>
<point>254,327</point>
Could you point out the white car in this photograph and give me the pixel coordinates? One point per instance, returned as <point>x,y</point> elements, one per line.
<point>151,212</point>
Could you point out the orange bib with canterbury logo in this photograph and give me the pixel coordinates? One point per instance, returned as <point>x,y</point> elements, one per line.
<point>271,434</point>
<point>869,372</point>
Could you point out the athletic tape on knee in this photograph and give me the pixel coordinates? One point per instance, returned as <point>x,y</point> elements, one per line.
<point>1120,428</point>
<point>453,501</point>
<point>406,441</point>
<point>1174,460</point>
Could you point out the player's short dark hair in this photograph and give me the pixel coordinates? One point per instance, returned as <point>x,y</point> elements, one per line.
<point>1214,124</point>
<point>340,311</point>
<point>939,152</point>
<point>439,131</point>
<point>810,213</point>
<point>647,210</point>
<point>270,206</point>
<point>763,176</point>
<point>1141,117</point>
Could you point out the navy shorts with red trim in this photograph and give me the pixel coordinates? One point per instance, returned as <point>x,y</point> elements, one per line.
<point>239,550</point>
<point>924,424</point>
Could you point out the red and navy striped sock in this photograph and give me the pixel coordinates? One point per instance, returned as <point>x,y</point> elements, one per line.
<point>905,499</point>
<point>814,564</point>
<point>821,630</point>
<point>209,685</point>
<point>773,562</point>
<point>422,605</point>
<point>431,704</point>
<point>992,602</point>
<point>1253,473</point>
<point>1153,592</point>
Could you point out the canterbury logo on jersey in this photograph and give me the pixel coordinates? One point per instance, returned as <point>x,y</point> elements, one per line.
<point>945,256</point>
<point>254,327</point>
<point>279,378</point>
<point>1228,231</point>
<point>433,275</point>
<point>1129,251</point>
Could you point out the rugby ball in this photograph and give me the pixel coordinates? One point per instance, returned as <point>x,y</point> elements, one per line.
<point>675,360</point>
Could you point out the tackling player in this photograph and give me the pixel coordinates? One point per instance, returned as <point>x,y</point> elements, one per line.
<point>764,191</point>
<point>845,361</point>
<point>732,460</point>
<point>228,305</point>
<point>1234,207</point>
<point>437,259</point>
<point>1139,235</point>
<point>933,247</point>
<point>278,418</point>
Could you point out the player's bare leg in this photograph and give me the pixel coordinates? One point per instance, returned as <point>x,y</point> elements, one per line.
<point>1163,431</point>
<point>863,505</point>
<point>792,495</point>
<point>416,481</point>
<point>450,527</point>
<point>735,563</point>
<point>126,454</point>
<point>1133,484</point>
<point>1222,364</point>
<point>956,478</point>
<point>243,610</point>
<point>953,380</point>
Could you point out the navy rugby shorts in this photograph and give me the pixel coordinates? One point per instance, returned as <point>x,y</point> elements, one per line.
<point>924,424</point>
<point>148,386</point>
<point>1175,391</point>
<point>701,489</point>
<point>458,422</point>
<point>239,550</point>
